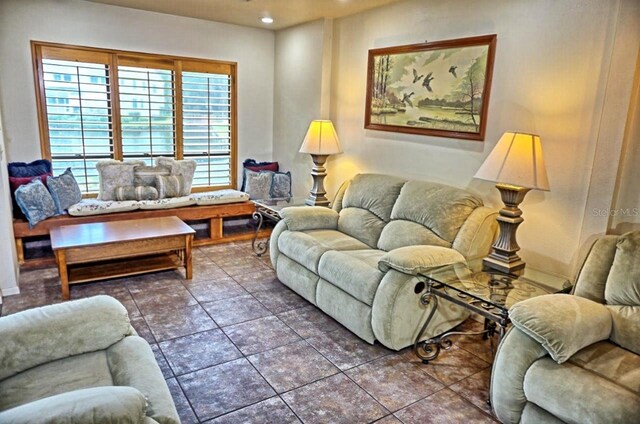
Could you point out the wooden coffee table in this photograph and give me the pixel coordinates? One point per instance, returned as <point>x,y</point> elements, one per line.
<point>90,252</point>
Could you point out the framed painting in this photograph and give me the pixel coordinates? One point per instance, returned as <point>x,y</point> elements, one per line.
<point>436,88</point>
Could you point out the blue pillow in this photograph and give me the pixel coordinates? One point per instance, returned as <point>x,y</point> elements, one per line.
<point>33,169</point>
<point>64,190</point>
<point>280,185</point>
<point>35,202</point>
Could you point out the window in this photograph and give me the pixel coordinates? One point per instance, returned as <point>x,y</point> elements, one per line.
<point>98,104</point>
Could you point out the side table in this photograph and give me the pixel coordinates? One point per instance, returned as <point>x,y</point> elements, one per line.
<point>486,292</point>
<point>269,209</point>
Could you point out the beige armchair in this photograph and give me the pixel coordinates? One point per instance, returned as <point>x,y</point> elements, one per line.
<point>576,358</point>
<point>79,362</point>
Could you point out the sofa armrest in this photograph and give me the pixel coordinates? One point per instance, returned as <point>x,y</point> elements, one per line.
<point>415,260</point>
<point>563,324</point>
<point>302,218</point>
<point>97,405</point>
<point>37,336</point>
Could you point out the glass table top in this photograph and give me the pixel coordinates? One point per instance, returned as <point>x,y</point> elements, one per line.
<point>276,205</point>
<point>492,289</point>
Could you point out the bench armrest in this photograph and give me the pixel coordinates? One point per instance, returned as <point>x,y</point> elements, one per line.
<point>103,405</point>
<point>302,218</point>
<point>415,260</point>
<point>41,335</point>
<point>563,324</point>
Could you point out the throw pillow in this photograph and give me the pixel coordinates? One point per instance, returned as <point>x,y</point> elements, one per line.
<point>280,185</point>
<point>258,184</point>
<point>254,166</point>
<point>35,201</point>
<point>32,169</point>
<point>15,182</point>
<point>114,174</point>
<point>169,186</point>
<point>146,175</point>
<point>64,190</point>
<point>186,168</point>
<point>136,193</point>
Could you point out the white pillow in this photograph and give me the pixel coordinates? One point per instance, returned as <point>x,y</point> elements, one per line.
<point>113,174</point>
<point>186,168</point>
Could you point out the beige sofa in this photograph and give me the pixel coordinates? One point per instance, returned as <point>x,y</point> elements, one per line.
<point>576,358</point>
<point>79,362</point>
<point>358,261</point>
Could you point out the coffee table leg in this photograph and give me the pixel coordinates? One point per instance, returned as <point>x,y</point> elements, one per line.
<point>187,257</point>
<point>61,260</point>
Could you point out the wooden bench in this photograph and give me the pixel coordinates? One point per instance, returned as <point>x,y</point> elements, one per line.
<point>214,214</point>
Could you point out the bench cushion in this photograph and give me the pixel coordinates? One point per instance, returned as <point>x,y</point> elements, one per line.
<point>167,203</point>
<point>88,207</point>
<point>219,197</point>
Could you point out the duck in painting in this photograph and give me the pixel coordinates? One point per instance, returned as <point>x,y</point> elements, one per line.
<point>452,70</point>
<point>416,77</point>
<point>427,82</point>
<point>406,98</point>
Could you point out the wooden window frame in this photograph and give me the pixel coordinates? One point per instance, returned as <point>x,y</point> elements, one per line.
<point>113,58</point>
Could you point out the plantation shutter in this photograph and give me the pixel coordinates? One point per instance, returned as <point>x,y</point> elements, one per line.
<point>147,113</point>
<point>207,122</point>
<point>78,108</point>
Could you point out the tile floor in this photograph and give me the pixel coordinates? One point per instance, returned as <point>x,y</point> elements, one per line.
<point>237,346</point>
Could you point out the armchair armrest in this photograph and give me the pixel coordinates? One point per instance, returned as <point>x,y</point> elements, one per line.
<point>302,218</point>
<point>414,260</point>
<point>563,324</point>
<point>97,405</point>
<point>42,335</point>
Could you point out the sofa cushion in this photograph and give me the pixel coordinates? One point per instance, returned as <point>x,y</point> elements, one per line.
<point>367,205</point>
<point>355,272</point>
<point>626,326</point>
<point>576,394</point>
<point>611,362</point>
<point>402,233</point>
<point>52,378</point>
<point>219,197</point>
<point>88,207</point>
<point>414,260</point>
<point>307,247</point>
<point>623,282</point>
<point>439,208</point>
<point>98,405</point>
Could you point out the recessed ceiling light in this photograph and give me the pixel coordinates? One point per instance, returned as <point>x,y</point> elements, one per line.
<point>266,20</point>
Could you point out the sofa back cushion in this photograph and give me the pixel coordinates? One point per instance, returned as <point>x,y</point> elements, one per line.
<point>427,213</point>
<point>623,282</point>
<point>367,205</point>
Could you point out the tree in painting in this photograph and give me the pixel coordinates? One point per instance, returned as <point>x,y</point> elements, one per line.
<point>470,89</point>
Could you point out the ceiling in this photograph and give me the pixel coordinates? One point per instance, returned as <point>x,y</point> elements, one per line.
<point>285,13</point>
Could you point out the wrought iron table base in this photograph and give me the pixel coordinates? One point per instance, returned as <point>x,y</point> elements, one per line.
<point>259,247</point>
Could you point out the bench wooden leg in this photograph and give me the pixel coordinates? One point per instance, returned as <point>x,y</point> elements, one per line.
<point>20,250</point>
<point>188,265</point>
<point>215,228</point>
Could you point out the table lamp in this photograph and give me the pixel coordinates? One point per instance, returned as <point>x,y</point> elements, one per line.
<point>321,141</point>
<point>516,164</point>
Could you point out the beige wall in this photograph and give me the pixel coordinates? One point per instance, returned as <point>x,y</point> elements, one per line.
<point>91,24</point>
<point>625,215</point>
<point>302,89</point>
<point>8,263</point>
<point>553,70</point>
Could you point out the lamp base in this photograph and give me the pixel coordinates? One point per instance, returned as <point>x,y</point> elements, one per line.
<point>504,256</point>
<point>318,195</point>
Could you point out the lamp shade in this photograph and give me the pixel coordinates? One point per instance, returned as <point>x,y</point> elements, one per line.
<point>321,139</point>
<point>516,160</point>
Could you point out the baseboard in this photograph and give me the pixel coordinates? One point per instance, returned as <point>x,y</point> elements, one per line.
<point>11,291</point>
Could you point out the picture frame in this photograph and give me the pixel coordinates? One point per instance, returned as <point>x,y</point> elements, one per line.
<point>436,88</point>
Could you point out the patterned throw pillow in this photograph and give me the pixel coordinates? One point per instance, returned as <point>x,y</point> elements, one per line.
<point>280,185</point>
<point>186,168</point>
<point>35,201</point>
<point>136,193</point>
<point>258,184</point>
<point>32,169</point>
<point>64,190</point>
<point>15,182</point>
<point>114,173</point>
<point>254,166</point>
<point>169,186</point>
<point>146,175</point>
